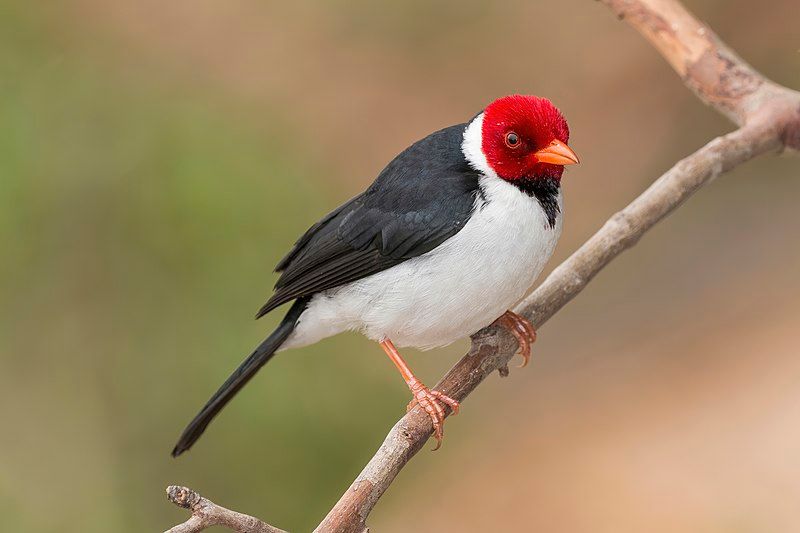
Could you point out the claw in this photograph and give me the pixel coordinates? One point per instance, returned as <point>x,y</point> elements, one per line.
<point>453,404</point>
<point>522,330</point>
<point>430,401</point>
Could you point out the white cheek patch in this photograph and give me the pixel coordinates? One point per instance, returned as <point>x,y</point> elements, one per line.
<point>472,147</point>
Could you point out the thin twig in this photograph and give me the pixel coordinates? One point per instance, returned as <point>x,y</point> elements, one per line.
<point>206,513</point>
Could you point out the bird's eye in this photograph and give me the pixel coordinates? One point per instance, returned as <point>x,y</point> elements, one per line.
<point>512,139</point>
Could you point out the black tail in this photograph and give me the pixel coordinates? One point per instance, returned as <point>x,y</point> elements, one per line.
<point>239,378</point>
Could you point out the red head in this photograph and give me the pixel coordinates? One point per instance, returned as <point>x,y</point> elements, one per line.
<point>525,137</point>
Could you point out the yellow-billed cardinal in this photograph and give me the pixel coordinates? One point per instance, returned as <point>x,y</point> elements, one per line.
<point>451,234</point>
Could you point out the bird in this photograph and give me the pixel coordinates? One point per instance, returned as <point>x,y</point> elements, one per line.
<point>449,237</point>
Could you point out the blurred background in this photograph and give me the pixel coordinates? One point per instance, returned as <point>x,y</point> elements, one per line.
<point>158,158</point>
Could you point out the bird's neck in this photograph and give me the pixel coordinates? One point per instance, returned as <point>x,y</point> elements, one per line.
<point>546,191</point>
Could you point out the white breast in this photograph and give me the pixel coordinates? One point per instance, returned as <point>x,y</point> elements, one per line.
<point>451,291</point>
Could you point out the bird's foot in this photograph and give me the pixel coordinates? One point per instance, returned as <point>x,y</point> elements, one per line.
<point>431,401</point>
<point>522,330</point>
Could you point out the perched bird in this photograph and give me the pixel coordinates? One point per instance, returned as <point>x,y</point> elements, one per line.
<point>449,237</point>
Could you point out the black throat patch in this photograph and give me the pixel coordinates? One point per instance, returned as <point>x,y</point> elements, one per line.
<point>545,190</point>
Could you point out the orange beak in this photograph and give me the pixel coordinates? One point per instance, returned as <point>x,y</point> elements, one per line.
<point>557,153</point>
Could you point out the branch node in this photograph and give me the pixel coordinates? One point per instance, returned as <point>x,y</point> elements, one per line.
<point>183,496</point>
<point>791,134</point>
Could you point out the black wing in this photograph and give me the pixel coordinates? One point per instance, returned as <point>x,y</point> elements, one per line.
<point>421,199</point>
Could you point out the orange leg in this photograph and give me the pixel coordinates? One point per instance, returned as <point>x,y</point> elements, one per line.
<point>430,400</point>
<point>522,330</point>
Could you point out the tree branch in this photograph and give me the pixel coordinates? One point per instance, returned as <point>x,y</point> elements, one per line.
<point>206,513</point>
<point>768,116</point>
<point>718,76</point>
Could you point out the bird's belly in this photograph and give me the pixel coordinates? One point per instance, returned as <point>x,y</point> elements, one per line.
<point>451,291</point>
<point>438,301</point>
